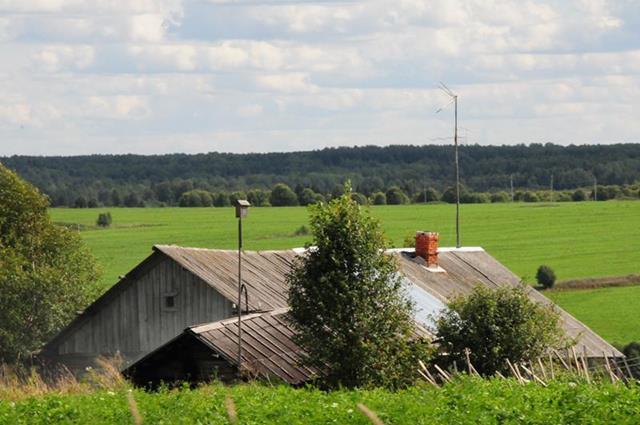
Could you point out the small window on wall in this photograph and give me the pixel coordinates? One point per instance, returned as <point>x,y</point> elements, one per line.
<point>169,301</point>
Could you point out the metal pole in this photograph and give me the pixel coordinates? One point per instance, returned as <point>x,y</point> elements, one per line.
<point>455,141</point>
<point>239,295</point>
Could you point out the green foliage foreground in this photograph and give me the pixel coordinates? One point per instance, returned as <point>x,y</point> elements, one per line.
<point>465,401</point>
<point>45,271</point>
<point>497,325</point>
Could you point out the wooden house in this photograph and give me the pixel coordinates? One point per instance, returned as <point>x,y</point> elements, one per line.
<point>169,317</point>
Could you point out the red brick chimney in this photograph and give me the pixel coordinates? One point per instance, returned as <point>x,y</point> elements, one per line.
<point>427,247</point>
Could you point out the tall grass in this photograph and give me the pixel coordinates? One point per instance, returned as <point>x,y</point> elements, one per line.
<point>19,382</point>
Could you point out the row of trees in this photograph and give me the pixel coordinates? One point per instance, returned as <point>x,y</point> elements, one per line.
<point>132,180</point>
<point>283,195</point>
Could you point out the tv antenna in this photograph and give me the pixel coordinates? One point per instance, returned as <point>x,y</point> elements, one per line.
<point>454,100</point>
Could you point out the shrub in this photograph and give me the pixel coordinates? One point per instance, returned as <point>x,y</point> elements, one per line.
<point>395,196</point>
<point>545,276</point>
<point>359,198</point>
<point>350,313</point>
<point>104,219</point>
<point>379,198</point>
<point>196,198</point>
<point>632,352</point>
<point>579,196</point>
<point>282,196</point>
<point>307,197</point>
<point>496,325</point>
<point>499,197</point>
<point>301,231</point>
<point>530,197</point>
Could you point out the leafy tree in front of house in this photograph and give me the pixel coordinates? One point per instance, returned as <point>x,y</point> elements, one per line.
<point>496,325</point>
<point>45,271</point>
<point>347,302</point>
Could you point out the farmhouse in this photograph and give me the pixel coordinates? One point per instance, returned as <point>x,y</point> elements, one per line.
<point>174,315</point>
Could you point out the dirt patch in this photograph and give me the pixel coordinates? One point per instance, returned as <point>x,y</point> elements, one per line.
<point>599,282</point>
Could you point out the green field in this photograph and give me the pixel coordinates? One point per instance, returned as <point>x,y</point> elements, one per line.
<point>465,401</point>
<point>577,239</point>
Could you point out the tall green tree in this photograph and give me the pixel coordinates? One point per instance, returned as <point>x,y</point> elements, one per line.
<point>45,271</point>
<point>347,302</point>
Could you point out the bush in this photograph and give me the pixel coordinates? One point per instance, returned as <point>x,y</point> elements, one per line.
<point>379,198</point>
<point>307,197</point>
<point>283,196</point>
<point>579,196</point>
<point>196,198</point>
<point>221,199</point>
<point>395,196</point>
<point>499,197</point>
<point>104,219</point>
<point>496,325</point>
<point>545,276</point>
<point>350,312</point>
<point>359,198</point>
<point>301,231</point>
<point>632,352</point>
<point>530,197</point>
<point>426,195</point>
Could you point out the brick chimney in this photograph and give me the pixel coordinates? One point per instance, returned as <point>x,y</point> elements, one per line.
<point>427,247</point>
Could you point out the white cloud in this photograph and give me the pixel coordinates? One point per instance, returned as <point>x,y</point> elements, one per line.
<point>167,75</point>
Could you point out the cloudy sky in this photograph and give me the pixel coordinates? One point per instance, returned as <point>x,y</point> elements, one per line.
<point>158,76</point>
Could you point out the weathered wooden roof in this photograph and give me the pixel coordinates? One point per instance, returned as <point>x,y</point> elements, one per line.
<point>464,269</point>
<point>267,345</point>
<point>263,272</point>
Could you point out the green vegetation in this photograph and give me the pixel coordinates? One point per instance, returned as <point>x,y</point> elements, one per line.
<point>464,401</point>
<point>545,276</point>
<point>135,180</point>
<point>611,312</point>
<point>45,271</point>
<point>496,326</point>
<point>351,316</point>
<point>579,240</point>
<point>576,239</point>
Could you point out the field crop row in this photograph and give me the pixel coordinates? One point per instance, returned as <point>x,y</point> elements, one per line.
<point>465,401</point>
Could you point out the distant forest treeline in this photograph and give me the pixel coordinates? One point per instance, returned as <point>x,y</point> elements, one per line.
<point>137,180</point>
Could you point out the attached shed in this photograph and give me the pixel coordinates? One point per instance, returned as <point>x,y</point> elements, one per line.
<point>206,352</point>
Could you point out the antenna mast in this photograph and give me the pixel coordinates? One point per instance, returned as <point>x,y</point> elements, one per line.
<point>454,98</point>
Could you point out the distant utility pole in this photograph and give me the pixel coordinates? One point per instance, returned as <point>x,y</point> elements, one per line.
<point>511,184</point>
<point>454,98</point>
<point>595,188</point>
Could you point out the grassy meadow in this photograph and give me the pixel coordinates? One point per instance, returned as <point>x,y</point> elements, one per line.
<point>577,240</point>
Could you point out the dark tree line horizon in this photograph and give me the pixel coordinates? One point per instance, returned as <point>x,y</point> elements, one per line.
<point>148,180</point>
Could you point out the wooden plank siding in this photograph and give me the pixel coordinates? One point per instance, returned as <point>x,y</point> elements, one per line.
<point>136,321</point>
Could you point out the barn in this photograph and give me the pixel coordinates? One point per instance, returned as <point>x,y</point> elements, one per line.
<point>172,316</point>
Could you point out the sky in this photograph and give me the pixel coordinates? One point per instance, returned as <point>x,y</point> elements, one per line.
<point>161,76</point>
